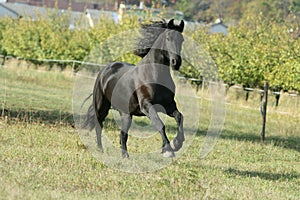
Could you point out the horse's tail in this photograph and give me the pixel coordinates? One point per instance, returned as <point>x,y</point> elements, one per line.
<point>90,119</point>
<point>85,100</point>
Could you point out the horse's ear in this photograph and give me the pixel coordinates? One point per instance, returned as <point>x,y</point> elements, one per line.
<point>171,24</point>
<point>181,26</point>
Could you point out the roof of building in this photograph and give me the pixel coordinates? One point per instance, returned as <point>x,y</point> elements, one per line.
<point>19,10</point>
<point>5,11</point>
<point>24,10</point>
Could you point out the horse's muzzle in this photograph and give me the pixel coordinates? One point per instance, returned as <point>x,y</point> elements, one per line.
<point>175,62</point>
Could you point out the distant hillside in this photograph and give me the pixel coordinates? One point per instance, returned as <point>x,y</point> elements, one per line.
<point>209,10</point>
<point>194,10</point>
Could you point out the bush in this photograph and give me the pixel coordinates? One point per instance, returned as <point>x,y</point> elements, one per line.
<point>3,24</point>
<point>256,49</point>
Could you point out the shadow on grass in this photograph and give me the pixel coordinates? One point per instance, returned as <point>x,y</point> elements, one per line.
<point>263,175</point>
<point>56,116</point>
<point>49,116</point>
<point>288,142</point>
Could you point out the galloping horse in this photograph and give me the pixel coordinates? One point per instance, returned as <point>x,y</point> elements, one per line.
<point>137,90</point>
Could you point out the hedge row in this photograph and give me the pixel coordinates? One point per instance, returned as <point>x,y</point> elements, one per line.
<point>254,51</point>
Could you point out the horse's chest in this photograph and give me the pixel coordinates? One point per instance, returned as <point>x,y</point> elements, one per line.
<point>163,95</point>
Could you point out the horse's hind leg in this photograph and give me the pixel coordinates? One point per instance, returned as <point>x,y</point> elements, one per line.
<point>102,108</point>
<point>126,120</point>
<point>98,134</point>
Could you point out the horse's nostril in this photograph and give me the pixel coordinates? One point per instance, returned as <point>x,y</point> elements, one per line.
<point>173,61</point>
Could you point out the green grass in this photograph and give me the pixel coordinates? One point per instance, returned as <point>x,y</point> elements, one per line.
<point>43,157</point>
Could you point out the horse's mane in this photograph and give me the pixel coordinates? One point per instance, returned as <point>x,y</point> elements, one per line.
<point>149,32</point>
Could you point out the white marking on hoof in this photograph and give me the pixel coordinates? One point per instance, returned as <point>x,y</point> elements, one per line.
<point>168,154</point>
<point>176,146</point>
<point>172,144</point>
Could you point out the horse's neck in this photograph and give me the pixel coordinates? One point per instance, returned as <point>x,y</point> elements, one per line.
<point>157,53</point>
<point>157,61</point>
<point>155,68</point>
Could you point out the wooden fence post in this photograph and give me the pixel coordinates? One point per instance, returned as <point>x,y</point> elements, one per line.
<point>264,111</point>
<point>277,96</point>
<point>3,61</point>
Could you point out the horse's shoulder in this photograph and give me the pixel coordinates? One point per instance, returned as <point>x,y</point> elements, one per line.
<point>120,64</point>
<point>116,69</point>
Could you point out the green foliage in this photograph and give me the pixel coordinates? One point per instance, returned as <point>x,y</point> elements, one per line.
<point>52,38</point>
<point>38,39</point>
<point>257,48</point>
<point>3,24</point>
<point>295,6</point>
<point>229,10</point>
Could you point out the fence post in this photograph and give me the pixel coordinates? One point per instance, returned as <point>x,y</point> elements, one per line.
<point>3,61</point>
<point>277,96</point>
<point>264,111</point>
<point>73,66</point>
<point>202,91</point>
<point>202,87</point>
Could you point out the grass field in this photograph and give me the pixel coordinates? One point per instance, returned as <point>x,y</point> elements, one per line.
<point>43,157</point>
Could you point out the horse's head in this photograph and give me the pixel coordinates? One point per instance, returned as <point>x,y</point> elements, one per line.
<point>162,37</point>
<point>173,43</point>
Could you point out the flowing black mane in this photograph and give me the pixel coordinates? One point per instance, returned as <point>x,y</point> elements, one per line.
<point>149,32</point>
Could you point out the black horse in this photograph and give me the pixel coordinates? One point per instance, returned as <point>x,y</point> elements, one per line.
<point>142,90</point>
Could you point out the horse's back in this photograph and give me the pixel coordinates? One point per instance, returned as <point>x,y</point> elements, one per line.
<point>112,73</point>
<point>117,85</point>
<point>117,69</point>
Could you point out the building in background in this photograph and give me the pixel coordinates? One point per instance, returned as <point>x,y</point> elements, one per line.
<point>119,6</point>
<point>29,12</point>
<point>81,5</point>
<point>218,27</point>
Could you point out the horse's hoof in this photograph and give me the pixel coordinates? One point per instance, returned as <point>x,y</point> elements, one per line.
<point>100,149</point>
<point>125,154</point>
<point>168,154</point>
<point>176,145</point>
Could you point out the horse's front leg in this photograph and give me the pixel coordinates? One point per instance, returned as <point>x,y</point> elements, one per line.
<point>126,120</point>
<point>150,111</point>
<point>179,139</point>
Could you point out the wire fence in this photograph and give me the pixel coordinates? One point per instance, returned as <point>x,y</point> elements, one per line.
<point>71,63</point>
<point>199,84</point>
<point>241,102</point>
